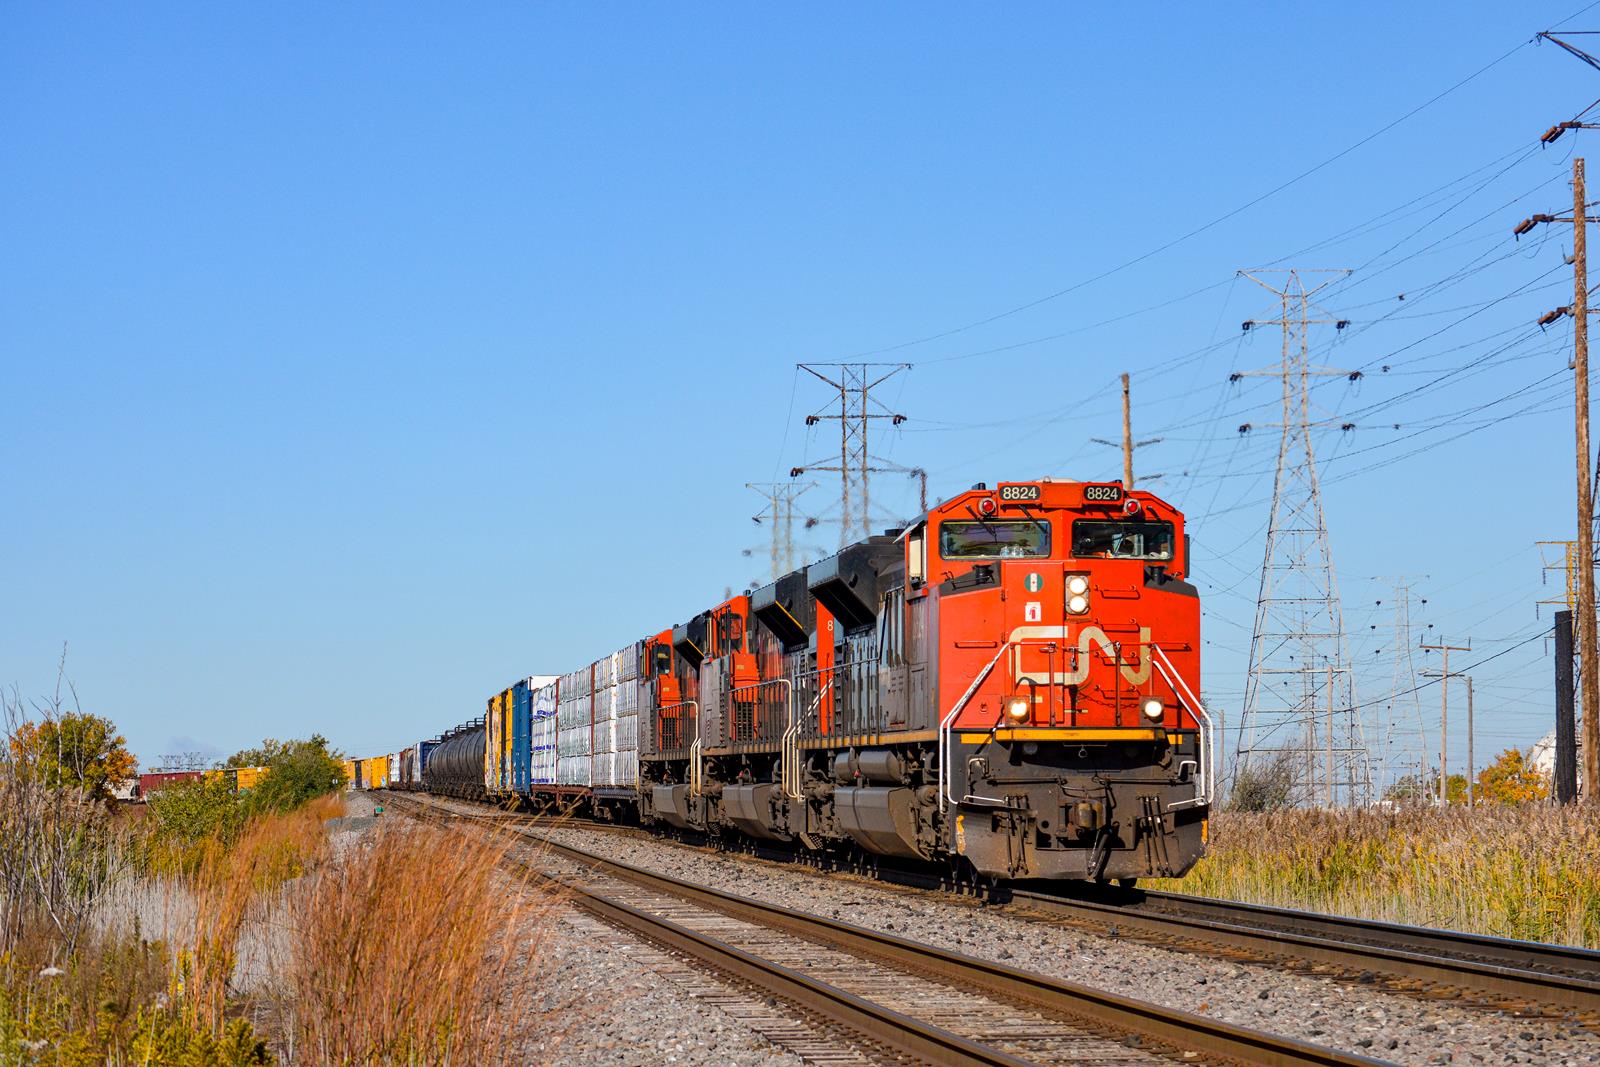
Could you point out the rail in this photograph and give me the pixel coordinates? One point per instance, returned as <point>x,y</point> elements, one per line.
<point>1009,989</point>
<point>1497,968</point>
<point>1494,968</point>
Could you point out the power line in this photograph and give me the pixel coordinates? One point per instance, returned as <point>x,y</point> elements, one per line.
<point>1217,221</point>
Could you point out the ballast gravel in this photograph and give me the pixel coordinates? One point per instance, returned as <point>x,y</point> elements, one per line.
<point>608,1003</point>
<point>1325,1010</point>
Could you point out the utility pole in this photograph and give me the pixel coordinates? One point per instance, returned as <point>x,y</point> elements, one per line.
<point>1566,766</point>
<point>1584,610</point>
<point>1580,376</point>
<point>857,410</point>
<point>1128,444</point>
<point>1127,435</point>
<point>1471,766</point>
<point>1444,718</point>
<point>1299,622</point>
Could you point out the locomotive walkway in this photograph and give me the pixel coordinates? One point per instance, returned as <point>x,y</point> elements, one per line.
<point>905,999</point>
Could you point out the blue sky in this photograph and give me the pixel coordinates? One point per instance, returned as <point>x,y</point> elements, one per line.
<point>359,359</point>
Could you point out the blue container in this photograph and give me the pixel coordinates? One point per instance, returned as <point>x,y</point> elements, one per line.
<point>522,738</point>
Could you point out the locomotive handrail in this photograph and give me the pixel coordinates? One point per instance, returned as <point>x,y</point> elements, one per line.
<point>694,747</point>
<point>736,690</point>
<point>1205,785</point>
<point>789,759</point>
<point>946,730</point>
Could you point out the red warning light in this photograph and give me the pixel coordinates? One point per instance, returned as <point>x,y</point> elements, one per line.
<point>987,506</point>
<point>1131,506</point>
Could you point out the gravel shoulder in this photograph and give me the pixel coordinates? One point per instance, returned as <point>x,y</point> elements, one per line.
<point>612,1001</point>
<point>1322,1009</point>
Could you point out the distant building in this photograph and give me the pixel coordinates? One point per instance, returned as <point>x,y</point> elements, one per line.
<point>1542,756</point>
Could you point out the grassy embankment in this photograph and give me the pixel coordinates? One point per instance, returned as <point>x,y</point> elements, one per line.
<point>1524,871</point>
<point>213,931</point>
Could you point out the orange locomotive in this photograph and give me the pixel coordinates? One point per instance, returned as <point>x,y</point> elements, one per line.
<point>1010,684</point>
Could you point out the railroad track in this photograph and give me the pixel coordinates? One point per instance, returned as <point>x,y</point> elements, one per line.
<point>905,999</point>
<point>1500,972</point>
<point>1494,968</point>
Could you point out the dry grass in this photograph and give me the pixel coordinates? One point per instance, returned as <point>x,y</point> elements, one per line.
<point>1530,872</point>
<point>232,886</point>
<point>406,947</point>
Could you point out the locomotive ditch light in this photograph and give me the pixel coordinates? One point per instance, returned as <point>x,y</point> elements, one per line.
<point>1017,709</point>
<point>1077,605</point>
<point>1078,585</point>
<point>1153,708</point>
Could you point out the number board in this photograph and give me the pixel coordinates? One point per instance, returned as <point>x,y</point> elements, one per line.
<point>1019,492</point>
<point>1102,494</point>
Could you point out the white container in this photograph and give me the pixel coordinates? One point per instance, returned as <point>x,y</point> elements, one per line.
<point>544,764</point>
<point>624,734</point>
<point>627,664</point>
<point>572,770</point>
<point>573,742</point>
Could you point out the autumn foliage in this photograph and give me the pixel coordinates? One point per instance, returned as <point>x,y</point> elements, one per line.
<point>73,750</point>
<point>1511,779</point>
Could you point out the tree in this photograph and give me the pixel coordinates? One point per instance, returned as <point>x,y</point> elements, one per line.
<point>73,750</point>
<point>1264,786</point>
<point>296,771</point>
<point>1511,779</point>
<point>269,750</point>
<point>1412,789</point>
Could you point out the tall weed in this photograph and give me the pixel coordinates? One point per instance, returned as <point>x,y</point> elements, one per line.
<point>1530,872</point>
<point>403,949</point>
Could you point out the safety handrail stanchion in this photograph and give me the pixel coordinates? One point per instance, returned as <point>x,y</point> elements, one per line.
<point>1205,779</point>
<point>945,728</point>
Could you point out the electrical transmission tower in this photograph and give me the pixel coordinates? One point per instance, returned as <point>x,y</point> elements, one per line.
<point>778,517</point>
<point>1299,703</point>
<point>1403,722</point>
<point>858,409</point>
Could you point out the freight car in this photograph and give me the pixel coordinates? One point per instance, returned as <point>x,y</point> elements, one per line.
<point>1009,685</point>
<point>155,781</point>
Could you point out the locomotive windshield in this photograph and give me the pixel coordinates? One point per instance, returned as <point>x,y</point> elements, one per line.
<point>1100,539</point>
<point>992,540</point>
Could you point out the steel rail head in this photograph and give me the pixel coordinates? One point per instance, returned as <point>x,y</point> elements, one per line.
<point>1168,1026</point>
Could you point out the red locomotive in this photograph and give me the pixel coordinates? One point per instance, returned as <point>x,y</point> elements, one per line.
<point>1012,680</point>
<point>1009,686</point>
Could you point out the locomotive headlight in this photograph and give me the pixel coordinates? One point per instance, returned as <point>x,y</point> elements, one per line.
<point>1078,585</point>
<point>1153,708</point>
<point>1017,709</point>
<point>1077,605</point>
